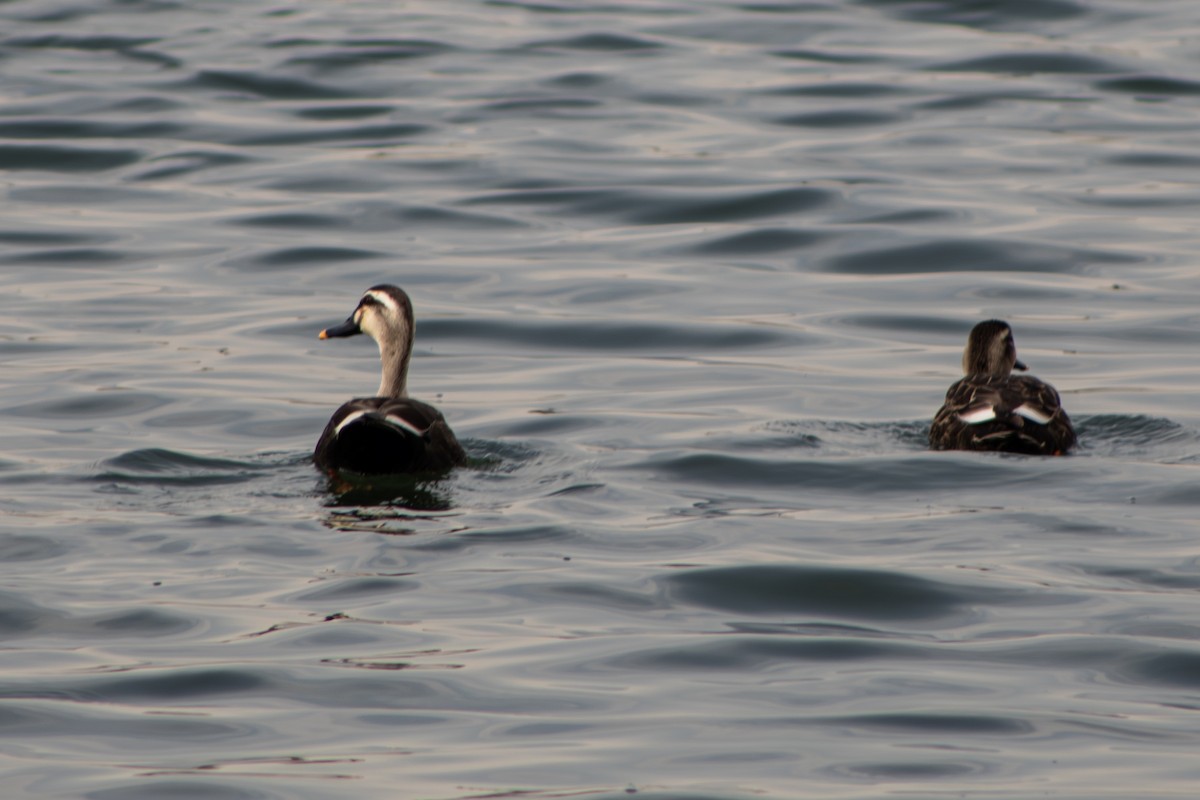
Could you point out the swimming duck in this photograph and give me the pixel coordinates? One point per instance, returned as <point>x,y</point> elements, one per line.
<point>388,433</point>
<point>991,409</point>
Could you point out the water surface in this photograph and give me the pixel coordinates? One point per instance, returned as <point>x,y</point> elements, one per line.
<point>690,281</point>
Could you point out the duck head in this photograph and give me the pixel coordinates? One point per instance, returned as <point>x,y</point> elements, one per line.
<point>991,350</point>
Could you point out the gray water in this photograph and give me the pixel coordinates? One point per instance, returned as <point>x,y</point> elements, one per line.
<point>690,279</point>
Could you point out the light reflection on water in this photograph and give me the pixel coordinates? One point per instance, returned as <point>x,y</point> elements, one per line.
<point>690,281</point>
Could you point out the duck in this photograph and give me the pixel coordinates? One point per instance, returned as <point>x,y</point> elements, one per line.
<point>989,408</point>
<point>390,433</point>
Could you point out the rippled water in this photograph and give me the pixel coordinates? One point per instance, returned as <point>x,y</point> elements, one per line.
<point>690,279</point>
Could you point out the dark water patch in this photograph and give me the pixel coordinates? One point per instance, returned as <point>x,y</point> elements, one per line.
<point>929,770</point>
<point>23,721</point>
<point>1164,159</point>
<point>543,424</point>
<point>173,165</point>
<point>20,617</point>
<point>578,80</point>
<point>318,183</point>
<point>342,112</point>
<point>374,690</point>
<point>428,216</point>
<point>674,99</point>
<point>135,52</point>
<point>989,15</point>
<point>1174,667</point>
<point>276,429</point>
<point>933,724</point>
<point>827,592</point>
<point>844,118</point>
<point>300,256</point>
<point>160,467</point>
<point>99,405</point>
<point>76,195</point>
<point>1031,62</point>
<point>207,788</point>
<point>585,595</point>
<point>261,84</point>
<point>1128,434</point>
<point>840,89</point>
<point>841,437</point>
<point>610,336</point>
<point>55,128</point>
<point>747,30</point>
<point>295,219</point>
<point>1153,578</point>
<point>975,255</point>
<point>645,208</point>
<point>143,104</point>
<point>830,56</point>
<point>1150,85</point>
<point>878,475</point>
<point>29,547</point>
<point>64,158</point>
<point>96,42</point>
<point>534,107</point>
<point>907,323</point>
<point>602,42</point>
<point>1015,292</point>
<point>739,653</point>
<point>34,238</point>
<point>200,418</point>
<point>977,100</point>
<point>362,135</point>
<point>181,686</point>
<point>354,589</point>
<point>649,210</point>
<point>513,534</point>
<point>73,257</point>
<point>1183,493</point>
<point>1180,200</point>
<point>915,216</point>
<point>759,242</point>
<point>360,53</point>
<point>398,494</point>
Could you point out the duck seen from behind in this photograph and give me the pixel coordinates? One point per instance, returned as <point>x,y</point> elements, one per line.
<point>989,408</point>
<point>389,433</point>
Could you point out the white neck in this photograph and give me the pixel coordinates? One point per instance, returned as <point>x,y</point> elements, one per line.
<point>394,361</point>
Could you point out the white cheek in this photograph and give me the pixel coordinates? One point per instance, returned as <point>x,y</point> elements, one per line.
<point>370,325</point>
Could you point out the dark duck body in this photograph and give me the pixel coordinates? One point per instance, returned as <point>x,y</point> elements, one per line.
<point>989,408</point>
<point>390,433</point>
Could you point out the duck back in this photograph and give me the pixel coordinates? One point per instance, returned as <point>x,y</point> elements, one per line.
<point>386,435</point>
<point>1013,414</point>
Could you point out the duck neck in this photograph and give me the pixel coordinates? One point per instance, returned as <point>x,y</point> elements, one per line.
<point>394,360</point>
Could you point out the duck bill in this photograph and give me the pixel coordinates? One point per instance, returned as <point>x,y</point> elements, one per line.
<point>347,328</point>
<point>1021,366</point>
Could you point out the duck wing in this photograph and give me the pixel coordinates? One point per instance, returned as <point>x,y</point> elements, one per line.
<point>387,435</point>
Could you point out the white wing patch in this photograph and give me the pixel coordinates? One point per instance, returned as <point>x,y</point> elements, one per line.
<point>979,414</point>
<point>404,424</point>
<point>391,419</point>
<point>1032,413</point>
<point>349,418</point>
